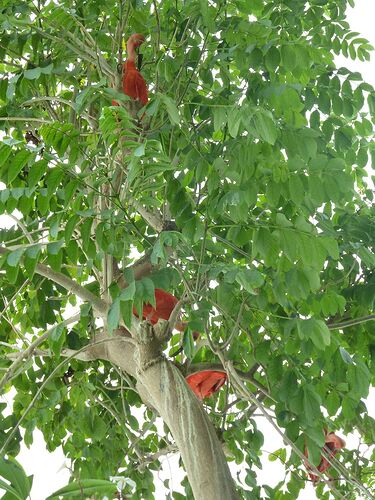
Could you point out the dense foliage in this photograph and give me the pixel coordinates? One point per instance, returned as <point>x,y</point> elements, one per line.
<point>244,186</point>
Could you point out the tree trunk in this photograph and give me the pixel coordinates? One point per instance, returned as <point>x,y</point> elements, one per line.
<point>162,385</point>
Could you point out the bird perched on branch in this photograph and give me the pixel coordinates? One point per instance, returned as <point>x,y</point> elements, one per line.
<point>206,382</point>
<point>133,83</point>
<point>333,444</point>
<point>164,304</point>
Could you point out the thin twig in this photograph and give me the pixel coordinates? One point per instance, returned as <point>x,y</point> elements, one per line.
<point>351,322</point>
<point>157,44</point>
<point>23,228</point>
<point>235,328</point>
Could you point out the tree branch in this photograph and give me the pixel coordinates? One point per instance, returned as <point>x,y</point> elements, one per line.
<point>155,220</point>
<point>351,322</point>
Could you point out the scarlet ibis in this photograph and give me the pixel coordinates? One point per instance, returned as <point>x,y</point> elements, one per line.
<point>164,304</point>
<point>133,83</point>
<point>332,445</point>
<point>206,382</point>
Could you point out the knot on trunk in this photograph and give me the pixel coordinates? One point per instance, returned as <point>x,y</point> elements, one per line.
<point>150,340</point>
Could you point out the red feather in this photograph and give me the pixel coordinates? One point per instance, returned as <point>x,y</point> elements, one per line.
<point>164,304</point>
<point>133,83</point>
<point>332,445</point>
<point>206,382</point>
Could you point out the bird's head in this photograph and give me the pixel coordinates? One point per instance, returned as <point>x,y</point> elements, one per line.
<point>136,40</point>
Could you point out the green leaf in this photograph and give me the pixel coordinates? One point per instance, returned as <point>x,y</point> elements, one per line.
<point>220,117</point>
<point>148,294</point>
<point>14,257</point>
<point>86,487</point>
<point>126,309</point>
<point>317,435</point>
<point>54,247</point>
<point>280,453</point>
<point>30,265</point>
<point>5,152</point>
<point>36,172</point>
<point>140,150</point>
<point>172,110</point>
<point>234,120</point>
<point>12,471</point>
<point>311,405</point>
<point>33,251</point>
<point>17,164</point>
<point>321,336</point>
<point>56,339</point>
<point>288,56</point>
<point>332,403</point>
<point>359,379</point>
<point>316,330</point>
<point>128,292</point>
<point>69,228</point>
<point>47,70</point>
<point>346,356</point>
<point>14,494</point>
<point>188,344</point>
<point>85,229</point>
<point>282,221</point>
<point>53,179</point>
<point>314,451</point>
<point>331,245</point>
<point>296,189</point>
<point>32,74</point>
<point>265,126</point>
<point>250,279</point>
<point>272,59</point>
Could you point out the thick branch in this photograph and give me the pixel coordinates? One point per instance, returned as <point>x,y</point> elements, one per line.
<point>61,279</point>
<point>162,385</point>
<point>140,268</point>
<point>155,220</point>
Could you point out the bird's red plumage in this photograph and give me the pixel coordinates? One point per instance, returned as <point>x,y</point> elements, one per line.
<point>164,305</point>
<point>333,444</point>
<point>206,382</point>
<point>133,83</point>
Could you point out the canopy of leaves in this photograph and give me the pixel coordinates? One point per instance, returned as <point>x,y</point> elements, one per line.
<point>255,145</point>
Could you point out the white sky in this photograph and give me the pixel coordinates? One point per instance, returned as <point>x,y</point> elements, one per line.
<point>48,468</point>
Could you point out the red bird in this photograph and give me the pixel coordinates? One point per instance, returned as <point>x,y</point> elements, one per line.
<point>206,382</point>
<point>164,304</point>
<point>133,83</point>
<point>332,445</point>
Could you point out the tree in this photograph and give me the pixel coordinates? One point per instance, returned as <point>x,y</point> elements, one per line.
<point>241,188</point>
